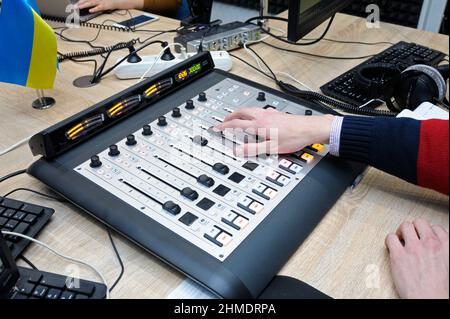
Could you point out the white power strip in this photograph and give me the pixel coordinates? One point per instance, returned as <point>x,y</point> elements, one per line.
<point>126,70</point>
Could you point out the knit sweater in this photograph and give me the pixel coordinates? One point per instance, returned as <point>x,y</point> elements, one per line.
<point>416,151</point>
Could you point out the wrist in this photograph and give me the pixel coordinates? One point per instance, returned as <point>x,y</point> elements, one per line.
<point>323,129</point>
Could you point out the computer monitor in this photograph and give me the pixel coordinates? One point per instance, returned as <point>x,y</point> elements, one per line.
<point>200,12</point>
<point>306,15</point>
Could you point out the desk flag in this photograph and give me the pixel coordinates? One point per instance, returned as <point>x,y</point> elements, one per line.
<point>28,53</point>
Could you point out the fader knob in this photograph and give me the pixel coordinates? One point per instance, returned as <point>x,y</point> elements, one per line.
<point>200,140</point>
<point>221,168</point>
<point>95,161</point>
<point>131,140</point>
<point>176,112</point>
<point>202,97</point>
<point>113,151</point>
<point>261,96</point>
<point>190,105</point>
<point>162,121</point>
<point>147,130</point>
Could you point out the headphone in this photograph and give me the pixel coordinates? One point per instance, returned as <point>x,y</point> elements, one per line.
<point>403,87</point>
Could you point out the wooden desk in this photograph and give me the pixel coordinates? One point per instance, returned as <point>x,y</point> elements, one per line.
<point>341,257</point>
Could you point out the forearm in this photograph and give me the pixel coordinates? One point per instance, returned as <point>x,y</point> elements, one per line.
<point>412,150</point>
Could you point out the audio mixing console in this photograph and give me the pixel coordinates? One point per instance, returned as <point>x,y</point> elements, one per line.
<point>147,163</point>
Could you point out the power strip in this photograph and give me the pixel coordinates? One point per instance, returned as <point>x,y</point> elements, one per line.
<point>126,70</point>
<point>224,37</point>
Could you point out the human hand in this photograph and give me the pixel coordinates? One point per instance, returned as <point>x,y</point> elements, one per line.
<point>283,133</point>
<point>420,266</point>
<point>104,5</point>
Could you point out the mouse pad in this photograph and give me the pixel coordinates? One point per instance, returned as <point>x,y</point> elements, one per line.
<point>282,287</point>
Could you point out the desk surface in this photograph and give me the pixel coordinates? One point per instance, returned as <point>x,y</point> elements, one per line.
<point>344,257</point>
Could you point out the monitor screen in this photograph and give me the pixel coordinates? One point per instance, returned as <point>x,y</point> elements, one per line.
<point>2,267</point>
<point>306,15</point>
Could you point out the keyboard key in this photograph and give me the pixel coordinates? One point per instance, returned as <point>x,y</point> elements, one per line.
<point>33,209</point>
<point>22,228</point>
<point>35,277</point>
<point>53,294</point>
<point>11,204</point>
<point>30,218</point>
<point>11,224</point>
<point>25,288</point>
<point>81,296</point>
<point>40,292</point>
<point>9,213</point>
<point>67,295</point>
<point>3,221</point>
<point>85,288</point>
<point>54,282</point>
<point>19,215</point>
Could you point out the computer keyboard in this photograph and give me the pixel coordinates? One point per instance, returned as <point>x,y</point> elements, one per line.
<point>24,218</point>
<point>403,54</point>
<point>35,284</point>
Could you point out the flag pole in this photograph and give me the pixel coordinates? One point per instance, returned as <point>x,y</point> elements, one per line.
<point>43,102</point>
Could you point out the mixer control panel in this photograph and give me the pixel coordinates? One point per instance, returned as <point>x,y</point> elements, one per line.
<point>183,174</point>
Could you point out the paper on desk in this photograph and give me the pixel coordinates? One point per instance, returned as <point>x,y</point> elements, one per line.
<point>188,289</point>
<point>425,111</point>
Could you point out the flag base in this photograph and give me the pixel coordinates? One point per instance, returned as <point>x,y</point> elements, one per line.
<point>44,103</point>
<point>84,82</point>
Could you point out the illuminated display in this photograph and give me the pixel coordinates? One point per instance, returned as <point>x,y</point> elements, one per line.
<point>185,74</point>
<point>85,127</point>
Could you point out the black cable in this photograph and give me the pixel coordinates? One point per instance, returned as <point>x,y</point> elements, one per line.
<point>59,199</point>
<point>11,175</point>
<point>28,262</point>
<point>252,66</point>
<point>122,267</point>
<point>291,42</point>
<point>264,62</point>
<point>100,74</point>
<point>317,55</point>
<point>86,54</point>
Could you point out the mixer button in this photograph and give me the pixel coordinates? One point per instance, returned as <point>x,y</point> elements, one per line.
<point>95,161</point>
<point>236,177</point>
<point>221,190</point>
<point>162,121</point>
<point>131,140</point>
<point>147,130</point>
<point>261,96</point>
<point>199,140</point>
<point>251,166</point>
<point>283,180</point>
<point>205,204</point>
<point>306,157</point>
<point>172,208</point>
<point>221,168</point>
<point>256,207</point>
<point>205,180</point>
<point>189,193</point>
<point>188,219</point>
<point>212,234</point>
<point>317,148</point>
<point>113,151</point>
<point>296,168</point>
<point>264,191</point>
<point>189,105</point>
<point>273,176</point>
<point>176,112</point>
<point>224,238</point>
<point>230,217</point>
<point>202,97</point>
<point>241,222</point>
<point>270,192</point>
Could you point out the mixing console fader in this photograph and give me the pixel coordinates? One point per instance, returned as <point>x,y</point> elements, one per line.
<point>148,163</point>
<point>183,174</point>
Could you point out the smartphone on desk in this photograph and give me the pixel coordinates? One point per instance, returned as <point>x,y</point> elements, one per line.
<point>137,21</point>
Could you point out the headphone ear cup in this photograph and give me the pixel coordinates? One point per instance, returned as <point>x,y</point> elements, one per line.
<point>412,89</point>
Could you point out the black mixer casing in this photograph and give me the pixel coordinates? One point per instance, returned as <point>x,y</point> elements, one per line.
<point>248,270</point>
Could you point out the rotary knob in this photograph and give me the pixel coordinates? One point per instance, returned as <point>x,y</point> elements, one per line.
<point>95,161</point>
<point>202,97</point>
<point>113,151</point>
<point>189,105</point>
<point>162,121</point>
<point>147,130</point>
<point>261,96</point>
<point>308,113</point>
<point>176,112</point>
<point>131,140</point>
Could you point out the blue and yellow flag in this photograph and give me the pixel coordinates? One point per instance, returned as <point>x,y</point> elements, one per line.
<point>28,53</point>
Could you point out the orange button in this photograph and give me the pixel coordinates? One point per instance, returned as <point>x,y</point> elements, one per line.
<point>318,147</point>
<point>308,158</point>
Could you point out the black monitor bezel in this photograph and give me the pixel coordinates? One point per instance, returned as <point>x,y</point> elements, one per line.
<point>313,17</point>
